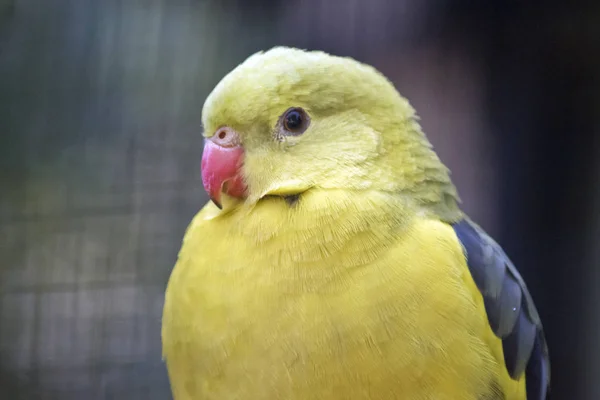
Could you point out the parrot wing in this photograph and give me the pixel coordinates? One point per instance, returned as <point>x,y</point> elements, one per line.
<point>510,309</point>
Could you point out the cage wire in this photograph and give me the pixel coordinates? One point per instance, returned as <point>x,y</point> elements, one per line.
<point>103,175</point>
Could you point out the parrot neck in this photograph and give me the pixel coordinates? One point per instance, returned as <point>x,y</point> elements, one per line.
<point>438,203</point>
<point>414,169</point>
<point>323,235</point>
<point>352,227</point>
<point>327,229</point>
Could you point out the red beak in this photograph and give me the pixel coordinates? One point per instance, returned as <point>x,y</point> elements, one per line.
<point>221,167</point>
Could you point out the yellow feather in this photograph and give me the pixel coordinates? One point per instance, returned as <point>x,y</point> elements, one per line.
<point>368,303</point>
<point>360,290</point>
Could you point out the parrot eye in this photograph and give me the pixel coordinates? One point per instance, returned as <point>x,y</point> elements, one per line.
<point>295,121</point>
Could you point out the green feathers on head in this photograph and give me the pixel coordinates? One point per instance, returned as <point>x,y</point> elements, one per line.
<point>362,136</point>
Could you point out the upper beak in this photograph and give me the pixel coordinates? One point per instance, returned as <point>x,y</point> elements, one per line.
<point>222,161</point>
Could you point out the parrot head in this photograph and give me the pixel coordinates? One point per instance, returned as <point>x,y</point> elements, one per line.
<point>287,121</point>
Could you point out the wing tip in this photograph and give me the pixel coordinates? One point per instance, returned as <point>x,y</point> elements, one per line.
<point>538,371</point>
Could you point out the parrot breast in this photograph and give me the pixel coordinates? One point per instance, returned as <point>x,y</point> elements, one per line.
<point>339,295</point>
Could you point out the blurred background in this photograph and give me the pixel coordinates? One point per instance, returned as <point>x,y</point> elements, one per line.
<point>100,148</point>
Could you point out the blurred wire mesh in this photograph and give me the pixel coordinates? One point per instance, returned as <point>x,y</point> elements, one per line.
<point>100,153</point>
<point>104,99</point>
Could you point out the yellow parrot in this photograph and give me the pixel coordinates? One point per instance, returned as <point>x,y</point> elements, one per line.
<point>333,261</point>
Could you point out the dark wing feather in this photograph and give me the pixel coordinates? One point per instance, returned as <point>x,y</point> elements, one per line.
<point>511,312</point>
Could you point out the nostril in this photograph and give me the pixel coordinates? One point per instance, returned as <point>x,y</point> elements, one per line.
<point>225,137</point>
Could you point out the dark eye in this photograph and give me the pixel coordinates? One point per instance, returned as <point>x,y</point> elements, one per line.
<point>295,121</point>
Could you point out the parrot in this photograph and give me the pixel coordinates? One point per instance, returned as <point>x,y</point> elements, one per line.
<point>333,260</point>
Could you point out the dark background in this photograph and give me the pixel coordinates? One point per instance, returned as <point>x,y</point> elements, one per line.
<point>100,149</point>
